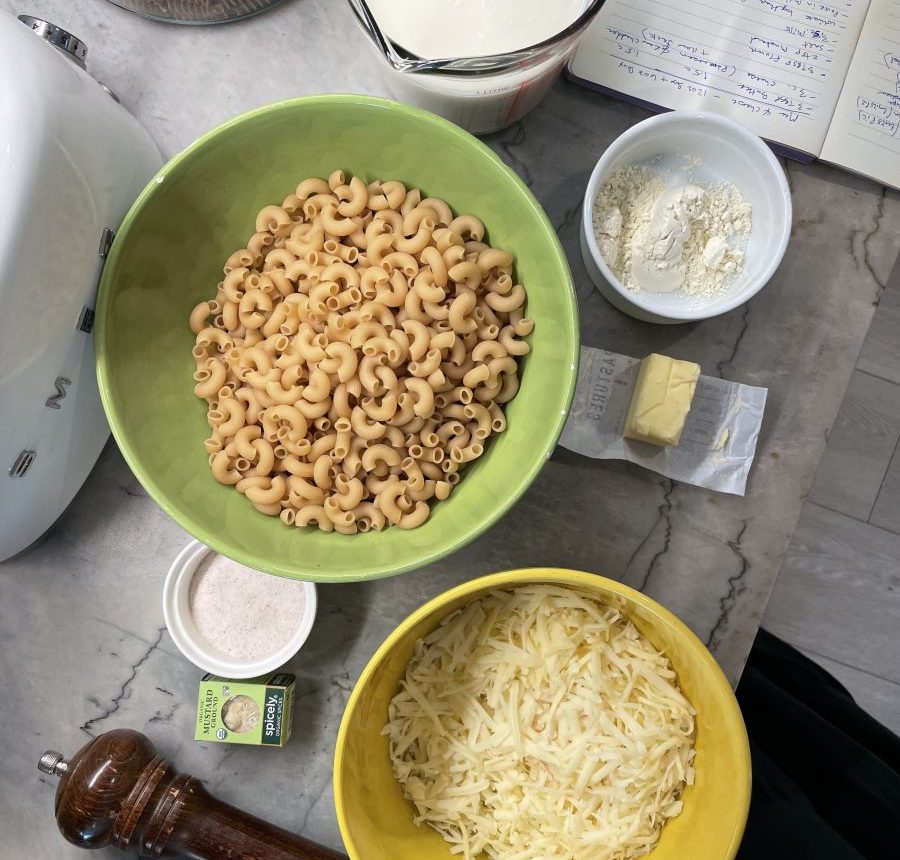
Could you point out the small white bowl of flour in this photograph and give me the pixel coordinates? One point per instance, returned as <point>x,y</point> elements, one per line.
<point>687,215</point>
<point>232,620</point>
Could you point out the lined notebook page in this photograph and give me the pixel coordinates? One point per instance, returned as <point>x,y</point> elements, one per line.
<point>865,130</point>
<point>775,65</point>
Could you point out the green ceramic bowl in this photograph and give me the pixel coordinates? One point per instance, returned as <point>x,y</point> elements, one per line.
<point>168,255</point>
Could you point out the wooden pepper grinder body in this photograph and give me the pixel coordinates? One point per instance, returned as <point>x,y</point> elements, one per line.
<point>117,791</point>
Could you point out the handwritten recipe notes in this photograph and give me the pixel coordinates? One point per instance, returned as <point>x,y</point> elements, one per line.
<point>819,78</point>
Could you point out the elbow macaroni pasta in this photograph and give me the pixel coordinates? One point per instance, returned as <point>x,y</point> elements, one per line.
<point>357,354</point>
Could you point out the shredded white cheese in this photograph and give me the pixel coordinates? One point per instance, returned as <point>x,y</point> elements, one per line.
<point>539,723</point>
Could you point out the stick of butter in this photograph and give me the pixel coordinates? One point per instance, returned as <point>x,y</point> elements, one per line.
<point>661,400</point>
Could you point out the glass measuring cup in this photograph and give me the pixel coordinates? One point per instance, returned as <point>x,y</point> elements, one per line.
<point>196,11</point>
<point>482,94</point>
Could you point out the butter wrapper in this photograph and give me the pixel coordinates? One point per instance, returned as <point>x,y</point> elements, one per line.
<point>256,711</point>
<point>719,439</point>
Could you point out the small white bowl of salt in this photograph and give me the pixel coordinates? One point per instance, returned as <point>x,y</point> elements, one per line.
<point>232,620</point>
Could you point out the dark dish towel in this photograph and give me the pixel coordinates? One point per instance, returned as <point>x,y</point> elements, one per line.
<point>826,775</point>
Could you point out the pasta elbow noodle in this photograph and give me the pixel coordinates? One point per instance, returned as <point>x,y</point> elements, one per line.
<point>235,416</point>
<point>394,192</point>
<point>223,470</point>
<point>460,311</point>
<point>494,258</point>
<point>401,260</point>
<point>416,517</point>
<point>424,396</point>
<point>210,378</point>
<point>467,225</point>
<point>319,386</point>
<point>476,376</point>
<point>387,500</point>
<point>417,243</point>
<point>210,335</point>
<point>308,187</point>
<point>430,362</point>
<point>360,425</point>
<point>199,315</point>
<point>309,514</point>
<point>489,349</point>
<point>466,272</point>
<point>269,496</point>
<point>522,327</point>
<point>502,364</point>
<point>353,197</point>
<point>441,208</point>
<point>346,357</point>
<point>356,355</point>
<point>512,345</point>
<point>270,218</point>
<point>380,453</point>
<point>335,223</point>
<point>514,299</point>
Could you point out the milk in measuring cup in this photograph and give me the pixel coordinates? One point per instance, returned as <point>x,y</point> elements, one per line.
<point>444,29</point>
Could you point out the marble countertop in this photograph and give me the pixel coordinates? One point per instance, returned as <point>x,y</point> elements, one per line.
<point>83,646</point>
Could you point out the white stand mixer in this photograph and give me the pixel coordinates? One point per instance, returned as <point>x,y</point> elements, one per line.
<point>72,160</point>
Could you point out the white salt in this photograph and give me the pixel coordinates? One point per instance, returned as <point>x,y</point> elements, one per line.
<point>242,612</point>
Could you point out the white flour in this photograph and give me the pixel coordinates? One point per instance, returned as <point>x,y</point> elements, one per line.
<point>243,612</point>
<point>661,237</point>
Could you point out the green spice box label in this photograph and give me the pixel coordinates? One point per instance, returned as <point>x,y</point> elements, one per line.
<point>257,711</point>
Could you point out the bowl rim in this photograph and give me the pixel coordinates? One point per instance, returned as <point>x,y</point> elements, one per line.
<point>562,576</point>
<point>365,571</point>
<point>178,580</point>
<point>653,124</point>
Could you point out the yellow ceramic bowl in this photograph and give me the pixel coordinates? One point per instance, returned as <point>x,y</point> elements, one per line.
<point>376,820</point>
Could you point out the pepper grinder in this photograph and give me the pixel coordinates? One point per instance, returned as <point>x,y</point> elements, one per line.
<point>117,791</point>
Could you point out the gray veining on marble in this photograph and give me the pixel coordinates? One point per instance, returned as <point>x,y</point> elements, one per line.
<point>82,642</point>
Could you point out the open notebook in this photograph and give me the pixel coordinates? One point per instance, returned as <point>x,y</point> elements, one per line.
<point>818,79</point>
